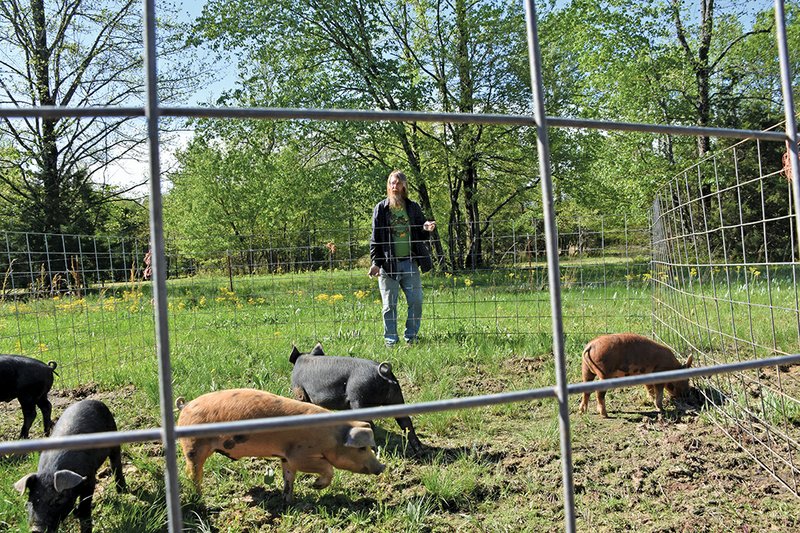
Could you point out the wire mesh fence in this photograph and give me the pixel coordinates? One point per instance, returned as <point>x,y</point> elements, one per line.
<point>725,288</point>
<point>87,301</point>
<point>708,274</point>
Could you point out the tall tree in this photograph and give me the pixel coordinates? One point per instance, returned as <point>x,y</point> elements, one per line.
<point>75,53</point>
<point>396,55</point>
<point>713,41</point>
<point>623,60</point>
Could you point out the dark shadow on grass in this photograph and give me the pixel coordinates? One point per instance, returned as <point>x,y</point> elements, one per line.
<point>271,501</point>
<point>674,409</point>
<point>395,443</point>
<point>195,512</point>
<point>709,397</point>
<point>439,455</point>
<point>14,459</point>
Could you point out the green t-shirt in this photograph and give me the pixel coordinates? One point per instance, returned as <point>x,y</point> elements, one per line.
<point>401,232</point>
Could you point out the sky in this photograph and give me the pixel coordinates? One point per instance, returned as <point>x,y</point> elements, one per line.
<point>133,171</point>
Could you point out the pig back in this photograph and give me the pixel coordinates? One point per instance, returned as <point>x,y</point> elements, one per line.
<point>23,376</point>
<point>231,405</point>
<point>85,416</point>
<point>338,382</point>
<point>629,353</point>
<point>244,404</point>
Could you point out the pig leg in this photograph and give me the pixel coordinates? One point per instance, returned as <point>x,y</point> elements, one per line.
<point>601,403</point>
<point>47,409</point>
<point>28,414</point>
<point>659,396</point>
<point>314,465</point>
<point>588,375</point>
<point>408,430</point>
<point>115,458</point>
<point>196,454</point>
<point>288,481</point>
<point>651,391</point>
<point>83,512</point>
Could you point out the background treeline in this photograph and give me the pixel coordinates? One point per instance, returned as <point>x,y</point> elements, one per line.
<point>665,61</point>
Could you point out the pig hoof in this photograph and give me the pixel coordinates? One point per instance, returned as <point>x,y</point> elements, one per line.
<point>321,483</point>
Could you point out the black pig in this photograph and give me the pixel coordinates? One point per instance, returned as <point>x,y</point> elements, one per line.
<point>65,476</point>
<point>347,383</point>
<point>29,381</point>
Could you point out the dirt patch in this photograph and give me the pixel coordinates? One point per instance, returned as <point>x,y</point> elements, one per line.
<point>118,400</point>
<point>480,383</point>
<point>523,365</point>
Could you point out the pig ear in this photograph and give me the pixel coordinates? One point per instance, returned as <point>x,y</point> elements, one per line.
<point>23,483</point>
<point>66,479</point>
<point>688,362</point>
<point>385,370</point>
<point>294,355</point>
<point>359,437</point>
<point>317,350</point>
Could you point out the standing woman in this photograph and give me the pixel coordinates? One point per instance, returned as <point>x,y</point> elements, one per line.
<point>398,248</point>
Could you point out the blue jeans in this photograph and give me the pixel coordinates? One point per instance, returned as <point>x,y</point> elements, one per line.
<point>406,277</point>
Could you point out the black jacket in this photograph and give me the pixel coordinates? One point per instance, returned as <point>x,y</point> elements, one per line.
<point>381,251</point>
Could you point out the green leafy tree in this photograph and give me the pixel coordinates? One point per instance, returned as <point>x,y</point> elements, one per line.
<point>74,53</point>
<point>660,63</point>
<point>390,55</point>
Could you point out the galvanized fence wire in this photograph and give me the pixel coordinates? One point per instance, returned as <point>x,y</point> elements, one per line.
<point>725,289</point>
<point>76,297</point>
<point>94,309</point>
<point>682,327</point>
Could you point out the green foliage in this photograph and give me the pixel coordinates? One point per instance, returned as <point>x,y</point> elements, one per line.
<point>453,483</point>
<point>75,55</point>
<point>616,60</point>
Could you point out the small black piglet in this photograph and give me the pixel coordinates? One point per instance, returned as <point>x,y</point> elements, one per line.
<point>28,380</point>
<point>347,383</point>
<point>65,476</point>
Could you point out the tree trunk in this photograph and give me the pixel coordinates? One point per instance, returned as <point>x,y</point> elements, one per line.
<point>703,74</point>
<point>468,137</point>
<point>48,157</point>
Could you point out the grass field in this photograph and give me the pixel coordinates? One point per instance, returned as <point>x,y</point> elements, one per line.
<point>486,469</point>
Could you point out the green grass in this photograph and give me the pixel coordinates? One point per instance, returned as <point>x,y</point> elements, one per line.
<point>493,469</point>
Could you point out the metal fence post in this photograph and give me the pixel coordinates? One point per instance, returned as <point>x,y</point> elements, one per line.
<point>788,106</point>
<point>553,273</point>
<point>152,112</point>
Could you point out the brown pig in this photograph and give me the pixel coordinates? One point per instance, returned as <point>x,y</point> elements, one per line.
<point>346,445</point>
<point>628,354</point>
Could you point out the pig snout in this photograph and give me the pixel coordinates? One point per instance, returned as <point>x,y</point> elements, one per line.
<point>40,524</point>
<point>374,468</point>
